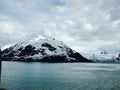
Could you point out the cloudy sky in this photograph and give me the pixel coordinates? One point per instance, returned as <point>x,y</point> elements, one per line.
<point>85,25</point>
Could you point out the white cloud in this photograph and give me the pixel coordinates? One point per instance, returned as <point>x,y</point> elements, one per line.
<point>116,24</point>
<point>88,26</point>
<point>10,30</point>
<point>20,4</point>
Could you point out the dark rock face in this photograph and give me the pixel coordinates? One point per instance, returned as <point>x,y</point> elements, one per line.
<point>49,46</point>
<point>7,53</point>
<point>44,52</point>
<point>79,57</point>
<point>118,58</point>
<point>29,50</point>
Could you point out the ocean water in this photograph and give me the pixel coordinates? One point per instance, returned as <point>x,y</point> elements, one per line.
<point>60,76</point>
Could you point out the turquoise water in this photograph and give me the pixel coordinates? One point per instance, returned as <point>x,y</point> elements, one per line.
<point>60,76</point>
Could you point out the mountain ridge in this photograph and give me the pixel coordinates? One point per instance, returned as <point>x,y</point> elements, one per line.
<point>44,50</point>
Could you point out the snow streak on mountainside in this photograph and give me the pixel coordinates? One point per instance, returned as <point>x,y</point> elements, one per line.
<point>41,49</point>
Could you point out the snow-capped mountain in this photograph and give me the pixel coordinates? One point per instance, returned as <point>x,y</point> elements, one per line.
<point>42,49</point>
<point>107,54</point>
<point>110,50</point>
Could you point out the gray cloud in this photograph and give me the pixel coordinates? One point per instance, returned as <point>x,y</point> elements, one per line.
<point>112,7</point>
<point>83,24</point>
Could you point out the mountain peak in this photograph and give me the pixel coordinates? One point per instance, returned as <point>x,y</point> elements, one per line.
<point>42,49</point>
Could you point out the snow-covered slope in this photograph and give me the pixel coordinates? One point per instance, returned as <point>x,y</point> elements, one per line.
<point>45,50</point>
<point>104,57</point>
<point>109,53</point>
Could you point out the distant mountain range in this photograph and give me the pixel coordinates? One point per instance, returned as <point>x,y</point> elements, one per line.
<point>42,50</point>
<point>110,49</point>
<point>106,54</point>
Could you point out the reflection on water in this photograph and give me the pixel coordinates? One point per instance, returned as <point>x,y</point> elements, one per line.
<point>60,76</point>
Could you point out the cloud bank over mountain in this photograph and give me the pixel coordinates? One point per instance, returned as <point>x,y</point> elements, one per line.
<point>85,25</point>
